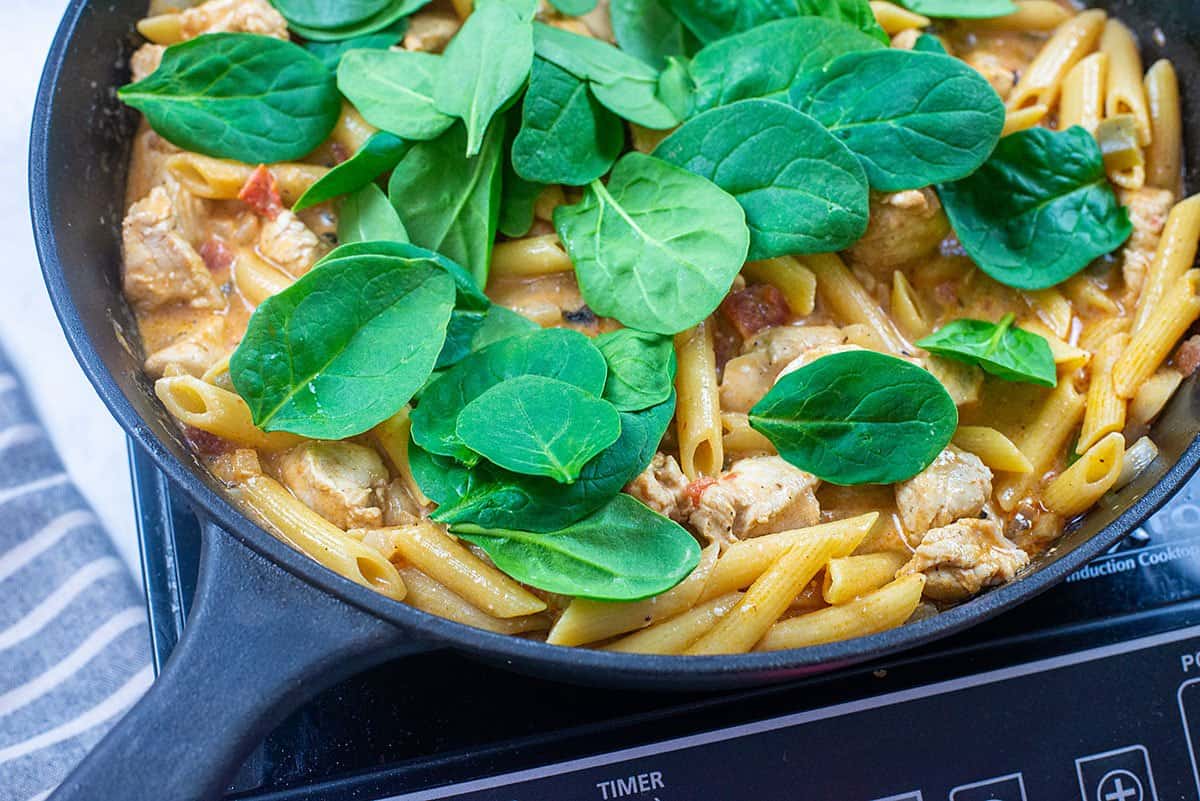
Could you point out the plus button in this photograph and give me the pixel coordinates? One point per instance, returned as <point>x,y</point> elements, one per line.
<point>1120,785</point>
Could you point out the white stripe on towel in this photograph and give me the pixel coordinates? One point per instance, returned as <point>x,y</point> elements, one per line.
<point>21,555</point>
<point>9,493</point>
<point>54,603</point>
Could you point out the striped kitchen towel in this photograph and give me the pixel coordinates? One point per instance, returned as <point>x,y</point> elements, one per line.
<point>74,643</point>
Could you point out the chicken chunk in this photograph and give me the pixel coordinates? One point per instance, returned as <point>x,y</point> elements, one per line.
<point>196,349</point>
<point>756,496</point>
<point>662,486</point>
<point>1001,74</point>
<point>161,267</point>
<point>1148,209</point>
<point>340,481</point>
<point>904,227</point>
<point>956,485</point>
<point>400,507</point>
<point>233,16</point>
<point>748,377</point>
<point>289,244</point>
<point>430,30</point>
<point>145,60</point>
<point>962,558</point>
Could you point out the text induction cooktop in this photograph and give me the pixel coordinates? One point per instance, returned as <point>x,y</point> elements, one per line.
<point>1090,692</point>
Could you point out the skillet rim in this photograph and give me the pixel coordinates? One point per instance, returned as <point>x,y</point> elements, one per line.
<point>601,666</point>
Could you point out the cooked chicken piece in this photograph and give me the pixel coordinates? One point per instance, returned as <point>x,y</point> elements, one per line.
<point>904,227</point>
<point>758,495</point>
<point>810,356</point>
<point>400,507</point>
<point>234,467</point>
<point>340,481</point>
<point>196,349</point>
<point>430,30</point>
<point>1148,209</point>
<point>145,60</point>
<point>748,377</point>
<point>662,486</point>
<point>962,558</point>
<point>956,485</point>
<point>907,39</point>
<point>1000,74</point>
<point>233,16</point>
<point>160,266</point>
<point>289,244</point>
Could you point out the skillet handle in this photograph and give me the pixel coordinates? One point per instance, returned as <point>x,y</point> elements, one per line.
<point>258,643</point>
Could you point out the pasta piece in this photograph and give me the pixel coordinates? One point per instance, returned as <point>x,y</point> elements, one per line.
<point>1031,15</point>
<point>1067,356</point>
<point>1105,412</point>
<point>789,276</point>
<point>162,29</point>
<point>851,302</point>
<point>677,634</point>
<point>1088,296</point>
<point>255,279</point>
<point>993,448</point>
<point>550,198</point>
<point>218,411</point>
<point>745,561</point>
<point>1052,308</point>
<point>1022,119</point>
<point>1096,331</point>
<point>1083,93</point>
<point>1077,488</point>
<point>429,596</point>
<point>907,311</point>
<point>392,438</point>
<point>222,179</point>
<point>768,598</point>
<point>1138,457</point>
<point>1041,83</point>
<point>1164,156</point>
<point>351,131</point>
<point>585,621</point>
<point>1126,93</point>
<point>894,19</point>
<point>850,577</point>
<point>529,257</point>
<point>1175,255</point>
<point>740,439</point>
<point>1152,396</point>
<point>1042,440</point>
<point>308,532</point>
<point>884,609</point>
<point>1166,324</point>
<point>698,411</point>
<point>435,553</point>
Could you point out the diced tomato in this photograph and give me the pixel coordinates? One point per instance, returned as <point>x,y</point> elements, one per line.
<point>694,490</point>
<point>1187,358</point>
<point>261,193</point>
<point>754,308</point>
<point>205,443</point>
<point>217,256</point>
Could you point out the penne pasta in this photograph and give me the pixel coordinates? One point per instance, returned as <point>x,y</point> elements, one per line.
<point>392,436</point>
<point>675,635</point>
<point>257,280</point>
<point>1022,119</point>
<point>993,448</point>
<point>1126,93</point>
<point>351,131</point>
<point>218,411</point>
<point>851,577</point>
<point>911,318</point>
<point>530,257</point>
<point>1152,396</point>
<point>429,596</point>
<point>740,440</point>
<point>1042,81</point>
<point>1150,345</point>
<point>1105,410</point>
<point>1175,255</point>
<point>1031,15</point>
<point>222,179</point>
<point>895,19</point>
<point>1093,474</point>
<point>1083,94</point>
<point>884,609</point>
<point>162,29</point>
<point>789,276</point>
<point>698,409</point>
<point>1164,155</point>
<point>850,301</point>
<point>1052,308</point>
<point>1042,440</point>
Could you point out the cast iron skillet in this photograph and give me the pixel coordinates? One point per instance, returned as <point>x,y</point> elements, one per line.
<point>269,627</point>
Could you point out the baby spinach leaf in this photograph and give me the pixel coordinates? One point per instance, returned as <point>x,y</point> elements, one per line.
<point>378,154</point>
<point>622,552</point>
<point>538,426</point>
<point>802,190</point>
<point>333,354</point>
<point>574,8</point>
<point>772,61</point>
<point>484,66</point>
<point>641,368</point>
<point>239,96</point>
<point>448,203</point>
<point>928,43</point>
<point>518,200</point>
<point>566,136</point>
<point>623,84</point>
<point>331,53</point>
<point>470,331</point>
<point>324,14</point>
<point>1001,349</point>
<point>1040,210</point>
<point>390,15</point>
<point>715,19</point>
<point>366,216</point>
<point>914,119</point>
<point>858,417</point>
<point>961,9</point>
<point>394,90</point>
<point>657,248</point>
<point>649,30</point>
<point>467,294</point>
<point>494,498</point>
<point>554,353</point>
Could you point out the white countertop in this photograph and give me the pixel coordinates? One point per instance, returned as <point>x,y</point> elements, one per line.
<point>89,441</point>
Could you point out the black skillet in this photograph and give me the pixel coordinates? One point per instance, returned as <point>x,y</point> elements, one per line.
<point>269,627</point>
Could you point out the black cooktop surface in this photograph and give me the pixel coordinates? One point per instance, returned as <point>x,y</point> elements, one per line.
<point>1091,692</point>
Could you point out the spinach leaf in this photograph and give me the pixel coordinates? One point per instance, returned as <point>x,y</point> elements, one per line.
<point>715,19</point>
<point>554,353</point>
<point>494,498</point>
<point>538,426</point>
<point>858,417</point>
<point>448,203</point>
<point>390,15</point>
<point>574,8</point>
<point>1001,349</point>
<point>648,30</point>
<point>772,61</point>
<point>366,216</point>
<point>467,294</point>
<point>961,9</point>
<point>239,96</point>
<point>331,53</point>
<point>913,119</point>
<point>623,84</point>
<point>622,552</point>
<point>484,66</point>
<point>566,136</point>
<point>641,368</point>
<point>518,201</point>
<point>928,43</point>
<point>324,14</point>
<point>334,353</point>
<point>378,154</point>
<point>802,190</point>
<point>393,90</point>
<point>470,331</point>
<point>1039,211</point>
<point>657,248</point>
